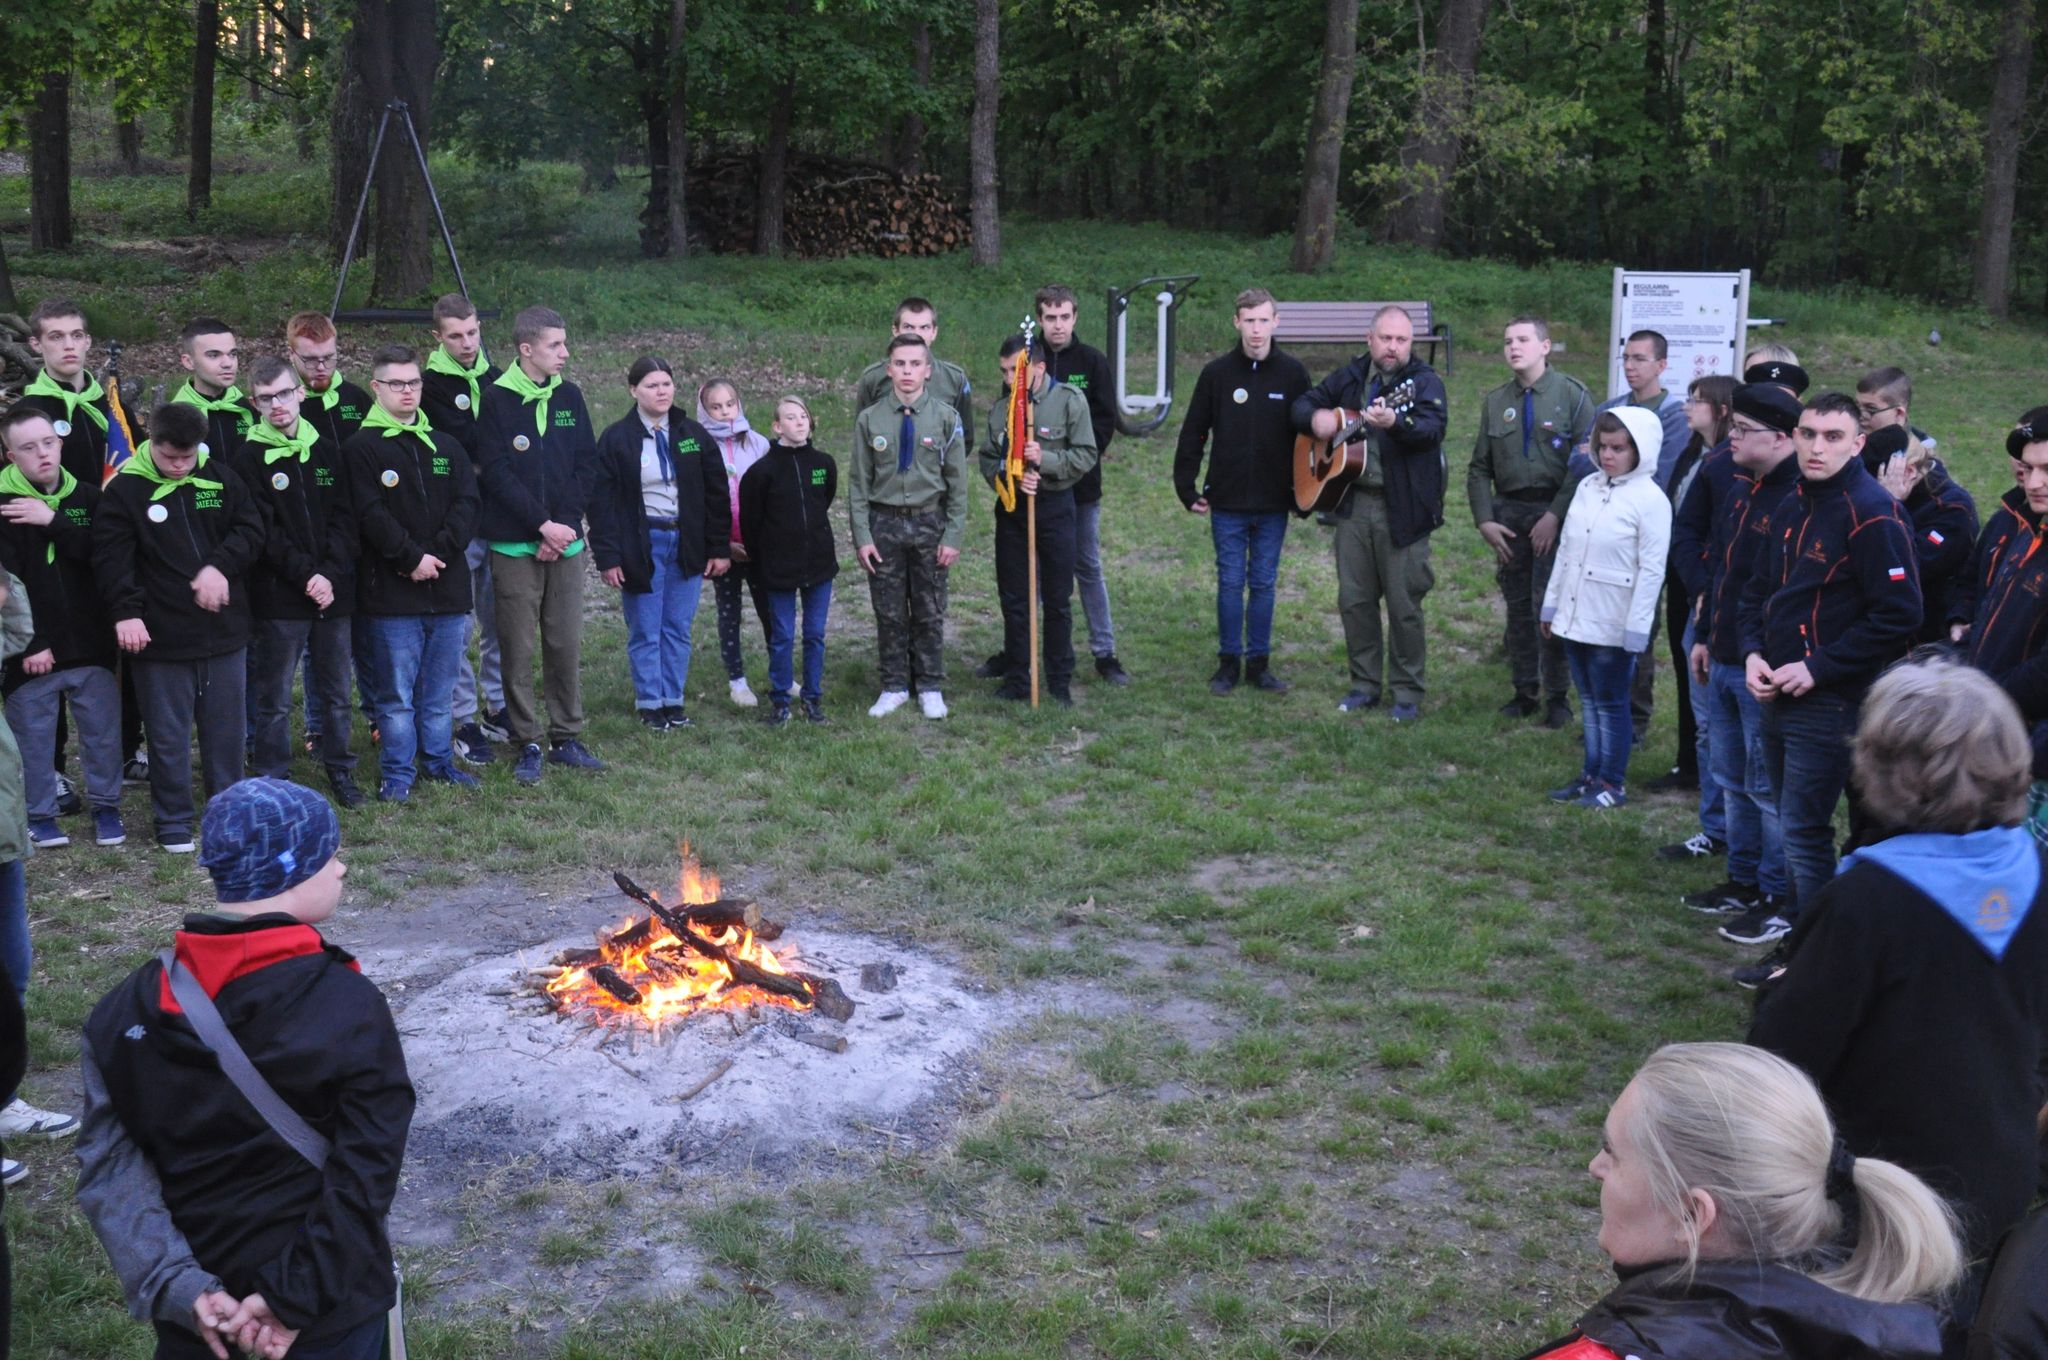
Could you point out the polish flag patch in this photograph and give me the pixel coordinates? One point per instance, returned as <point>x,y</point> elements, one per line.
<point>1897,573</point>
<point>1934,537</point>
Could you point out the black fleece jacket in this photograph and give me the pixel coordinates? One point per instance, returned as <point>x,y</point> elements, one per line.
<point>410,498</point>
<point>1944,520</point>
<point>1735,548</point>
<point>145,564</point>
<point>340,421</point>
<point>450,405</point>
<point>1087,368</point>
<point>253,1211</point>
<point>1242,410</point>
<point>2006,521</point>
<point>85,448</point>
<point>1411,450</point>
<point>308,530</point>
<point>618,519</point>
<point>54,563</point>
<point>785,500</point>
<point>529,476</point>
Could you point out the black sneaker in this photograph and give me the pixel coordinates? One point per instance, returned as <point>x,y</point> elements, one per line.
<point>493,725</point>
<point>1699,845</point>
<point>654,719</point>
<point>574,754</point>
<point>1258,675</point>
<point>175,842</point>
<point>1357,701</point>
<point>1405,712</point>
<point>676,717</point>
<point>1761,924</point>
<point>527,768</point>
<point>994,668</point>
<point>1015,690</point>
<point>1521,706</point>
<point>68,801</point>
<point>347,792</point>
<point>1726,898</point>
<point>472,746</point>
<point>1060,695</point>
<point>1557,714</point>
<point>814,712</point>
<point>1676,781</point>
<point>1228,672</point>
<point>1765,970</point>
<point>394,791</point>
<point>136,771</point>
<point>777,715</point>
<point>1570,793</point>
<point>1112,670</point>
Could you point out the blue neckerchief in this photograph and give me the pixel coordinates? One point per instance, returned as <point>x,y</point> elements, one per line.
<point>1528,416</point>
<point>906,442</point>
<point>1985,881</point>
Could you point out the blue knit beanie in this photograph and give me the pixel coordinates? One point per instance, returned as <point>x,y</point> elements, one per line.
<point>263,836</point>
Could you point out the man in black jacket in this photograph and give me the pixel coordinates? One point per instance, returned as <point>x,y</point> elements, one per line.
<point>175,537</point>
<point>413,496</point>
<point>303,590</point>
<point>1241,409</point>
<point>65,391</point>
<point>536,452</point>
<point>1385,520</point>
<point>212,359</point>
<point>216,1226</point>
<point>1069,361</point>
<point>333,403</point>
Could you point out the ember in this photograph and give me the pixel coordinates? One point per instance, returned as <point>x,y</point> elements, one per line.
<point>704,952</point>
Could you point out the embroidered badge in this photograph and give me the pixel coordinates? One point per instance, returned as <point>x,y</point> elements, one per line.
<point>62,427</point>
<point>521,443</point>
<point>1934,537</point>
<point>462,401</point>
<point>158,514</point>
<point>390,477</point>
<point>1240,396</point>
<point>279,482</point>
<point>1897,573</point>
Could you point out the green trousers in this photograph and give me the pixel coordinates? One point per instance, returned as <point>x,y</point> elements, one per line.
<point>1371,569</point>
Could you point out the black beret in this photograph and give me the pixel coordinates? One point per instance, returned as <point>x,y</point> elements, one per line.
<point>2032,429</point>
<point>1769,405</point>
<point>1779,372</point>
<point>1880,445</point>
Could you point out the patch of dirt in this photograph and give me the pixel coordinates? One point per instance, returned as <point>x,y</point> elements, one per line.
<point>1229,879</point>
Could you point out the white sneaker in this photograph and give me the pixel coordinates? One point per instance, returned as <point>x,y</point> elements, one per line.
<point>933,703</point>
<point>19,1119</point>
<point>741,694</point>
<point>891,700</point>
<point>12,1171</point>
<point>796,689</point>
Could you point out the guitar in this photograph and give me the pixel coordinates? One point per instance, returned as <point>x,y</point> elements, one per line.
<point>1324,469</point>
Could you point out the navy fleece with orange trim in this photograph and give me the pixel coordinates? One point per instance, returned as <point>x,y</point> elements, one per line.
<point>1838,586</point>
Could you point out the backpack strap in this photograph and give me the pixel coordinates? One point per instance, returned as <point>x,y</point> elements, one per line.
<point>283,1120</point>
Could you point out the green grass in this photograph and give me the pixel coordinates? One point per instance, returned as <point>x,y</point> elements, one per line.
<point>1374,992</point>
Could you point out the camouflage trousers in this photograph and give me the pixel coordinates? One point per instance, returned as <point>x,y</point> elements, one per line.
<point>909,595</point>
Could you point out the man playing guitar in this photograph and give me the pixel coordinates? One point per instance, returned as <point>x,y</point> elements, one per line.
<point>1384,521</point>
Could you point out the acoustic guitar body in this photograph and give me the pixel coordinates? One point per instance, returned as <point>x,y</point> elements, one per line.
<point>1324,469</point>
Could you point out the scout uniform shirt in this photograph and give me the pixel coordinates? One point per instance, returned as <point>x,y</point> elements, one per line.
<point>1526,436</point>
<point>936,477</point>
<point>1066,441</point>
<point>80,419</point>
<point>948,383</point>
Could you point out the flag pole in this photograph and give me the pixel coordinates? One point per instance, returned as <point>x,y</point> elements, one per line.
<point>1031,553</point>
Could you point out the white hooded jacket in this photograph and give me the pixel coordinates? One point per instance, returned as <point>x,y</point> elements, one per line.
<point>1611,551</point>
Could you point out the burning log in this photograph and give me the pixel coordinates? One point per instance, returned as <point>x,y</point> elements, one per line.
<point>719,914</point>
<point>607,977</point>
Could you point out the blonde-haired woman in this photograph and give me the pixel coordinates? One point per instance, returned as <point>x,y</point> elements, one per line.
<point>1743,1230</point>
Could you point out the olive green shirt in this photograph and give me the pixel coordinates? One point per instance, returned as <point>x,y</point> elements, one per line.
<point>1518,451</point>
<point>1066,440</point>
<point>948,383</point>
<point>937,476</point>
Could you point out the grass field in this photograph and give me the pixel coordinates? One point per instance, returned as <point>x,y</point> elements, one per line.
<point>1416,984</point>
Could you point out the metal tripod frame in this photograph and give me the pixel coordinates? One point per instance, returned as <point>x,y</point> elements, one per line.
<point>348,254</point>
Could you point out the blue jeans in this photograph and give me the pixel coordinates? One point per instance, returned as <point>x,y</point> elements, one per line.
<point>1806,756</point>
<point>1713,803</point>
<point>1247,556</point>
<point>658,627</point>
<point>1088,579</point>
<point>1756,852</point>
<point>413,659</point>
<point>1603,675</point>
<point>782,613</point>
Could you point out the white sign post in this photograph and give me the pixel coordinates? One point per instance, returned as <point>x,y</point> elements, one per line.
<point>1703,317</point>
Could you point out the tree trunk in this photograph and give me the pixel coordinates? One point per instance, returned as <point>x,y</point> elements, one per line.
<point>987,225</point>
<point>1991,260</point>
<point>909,157</point>
<point>8,301</point>
<point>1315,226</point>
<point>773,181</point>
<point>1430,156</point>
<point>394,51</point>
<point>651,62</point>
<point>678,236</point>
<point>127,133</point>
<point>49,149</point>
<point>351,123</point>
<point>205,42</point>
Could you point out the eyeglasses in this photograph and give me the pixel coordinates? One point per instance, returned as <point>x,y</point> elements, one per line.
<point>277,398</point>
<point>1745,431</point>
<point>399,384</point>
<point>1877,410</point>
<point>318,360</point>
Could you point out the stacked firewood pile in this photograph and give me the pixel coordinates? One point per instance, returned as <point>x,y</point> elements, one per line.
<point>832,207</point>
<point>18,363</point>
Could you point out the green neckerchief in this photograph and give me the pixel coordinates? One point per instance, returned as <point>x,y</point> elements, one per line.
<point>441,362</point>
<point>278,445</point>
<point>332,396</point>
<point>144,466</point>
<point>230,400</point>
<point>514,379</point>
<point>13,483</point>
<point>381,419</point>
<point>47,386</point>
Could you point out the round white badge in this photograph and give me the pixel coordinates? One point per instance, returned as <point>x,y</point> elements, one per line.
<point>279,482</point>
<point>390,477</point>
<point>521,443</point>
<point>462,401</point>
<point>1240,396</point>
<point>62,427</point>
<point>1509,415</point>
<point>203,450</point>
<point>158,514</point>
<point>881,442</point>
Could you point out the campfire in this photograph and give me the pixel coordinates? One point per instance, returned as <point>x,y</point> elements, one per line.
<point>703,952</point>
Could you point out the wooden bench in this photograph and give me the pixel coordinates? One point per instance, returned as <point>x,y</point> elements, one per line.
<point>1346,324</point>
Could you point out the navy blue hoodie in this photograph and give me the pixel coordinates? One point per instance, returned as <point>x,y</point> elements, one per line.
<point>1944,520</point>
<point>1735,549</point>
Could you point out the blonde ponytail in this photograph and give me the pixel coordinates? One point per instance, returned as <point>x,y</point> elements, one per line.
<point>1906,1245</point>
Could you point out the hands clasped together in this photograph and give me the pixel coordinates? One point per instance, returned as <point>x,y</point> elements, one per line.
<point>248,1325</point>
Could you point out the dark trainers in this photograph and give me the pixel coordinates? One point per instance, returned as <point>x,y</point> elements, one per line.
<point>527,768</point>
<point>1765,970</point>
<point>1557,714</point>
<point>44,834</point>
<point>1357,701</point>
<point>1404,712</point>
<point>394,791</point>
<point>654,719</point>
<point>1603,795</point>
<point>1761,924</point>
<point>461,779</point>
<point>1112,670</point>
<point>814,712</point>
<point>68,802</point>
<point>1699,845</point>
<point>574,754</point>
<point>472,746</point>
<point>347,792</point>
<point>136,771</point>
<point>1676,781</point>
<point>1258,675</point>
<point>1016,689</point>
<point>995,668</point>
<point>1228,672</point>
<point>493,726</point>
<point>676,717</point>
<point>1061,695</point>
<point>175,842</point>
<point>1727,898</point>
<point>777,715</point>
<point>107,828</point>
<point>1570,793</point>
<point>1521,706</point>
